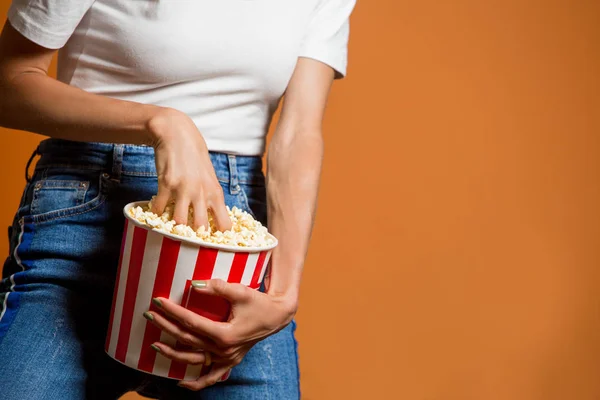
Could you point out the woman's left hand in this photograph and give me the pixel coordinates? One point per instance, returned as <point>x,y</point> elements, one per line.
<point>254,316</point>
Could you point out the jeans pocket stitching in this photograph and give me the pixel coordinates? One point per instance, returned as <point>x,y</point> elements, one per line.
<point>68,212</point>
<point>244,198</point>
<point>81,188</point>
<point>72,211</point>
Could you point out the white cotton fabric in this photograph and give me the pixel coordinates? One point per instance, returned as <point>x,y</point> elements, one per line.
<point>225,63</point>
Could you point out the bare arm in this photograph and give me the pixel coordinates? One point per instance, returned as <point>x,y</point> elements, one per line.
<point>31,100</point>
<point>293,171</point>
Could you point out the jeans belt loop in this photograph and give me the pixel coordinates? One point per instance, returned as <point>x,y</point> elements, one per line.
<point>117,164</point>
<point>28,178</point>
<point>234,186</point>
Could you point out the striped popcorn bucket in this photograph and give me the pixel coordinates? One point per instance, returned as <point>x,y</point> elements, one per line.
<point>159,264</point>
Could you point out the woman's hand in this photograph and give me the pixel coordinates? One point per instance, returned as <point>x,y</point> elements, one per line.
<point>185,171</point>
<point>254,316</point>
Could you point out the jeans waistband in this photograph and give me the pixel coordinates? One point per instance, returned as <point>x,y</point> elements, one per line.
<point>136,160</point>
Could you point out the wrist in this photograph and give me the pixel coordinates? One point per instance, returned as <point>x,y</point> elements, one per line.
<point>283,282</point>
<point>158,123</point>
<point>288,303</point>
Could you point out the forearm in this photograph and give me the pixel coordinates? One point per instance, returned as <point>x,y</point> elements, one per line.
<point>35,102</point>
<point>294,168</point>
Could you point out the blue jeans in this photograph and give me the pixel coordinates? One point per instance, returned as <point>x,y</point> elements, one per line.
<point>58,281</point>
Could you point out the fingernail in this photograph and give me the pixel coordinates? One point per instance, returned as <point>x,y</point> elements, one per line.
<point>148,316</point>
<point>155,348</point>
<point>199,284</point>
<point>157,302</point>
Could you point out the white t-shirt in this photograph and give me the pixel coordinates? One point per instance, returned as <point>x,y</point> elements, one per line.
<point>225,63</point>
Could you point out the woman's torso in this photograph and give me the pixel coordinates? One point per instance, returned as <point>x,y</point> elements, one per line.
<point>224,63</point>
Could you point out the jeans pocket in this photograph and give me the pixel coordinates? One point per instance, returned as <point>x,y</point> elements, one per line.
<point>64,194</point>
<point>56,194</point>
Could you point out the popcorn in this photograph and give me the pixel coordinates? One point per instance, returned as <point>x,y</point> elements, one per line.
<point>245,230</point>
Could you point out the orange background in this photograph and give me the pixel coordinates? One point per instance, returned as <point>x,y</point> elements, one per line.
<point>457,249</point>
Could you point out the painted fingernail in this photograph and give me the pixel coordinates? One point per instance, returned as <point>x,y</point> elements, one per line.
<point>199,284</point>
<point>148,316</point>
<point>155,348</point>
<point>157,302</point>
<point>225,376</point>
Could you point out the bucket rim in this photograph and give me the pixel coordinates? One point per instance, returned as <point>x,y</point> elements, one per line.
<point>193,241</point>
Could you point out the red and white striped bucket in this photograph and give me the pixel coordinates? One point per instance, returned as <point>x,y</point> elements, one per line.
<point>157,264</point>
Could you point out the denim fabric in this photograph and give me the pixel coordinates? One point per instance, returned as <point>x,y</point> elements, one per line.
<point>58,281</point>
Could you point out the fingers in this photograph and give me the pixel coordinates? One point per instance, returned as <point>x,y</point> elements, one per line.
<point>184,356</point>
<point>207,380</point>
<point>217,206</point>
<point>161,200</point>
<point>192,322</point>
<point>200,214</point>
<point>199,202</point>
<point>181,335</point>
<point>234,292</point>
<point>182,206</point>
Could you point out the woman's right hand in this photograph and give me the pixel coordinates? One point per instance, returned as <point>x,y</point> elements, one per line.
<point>185,172</point>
